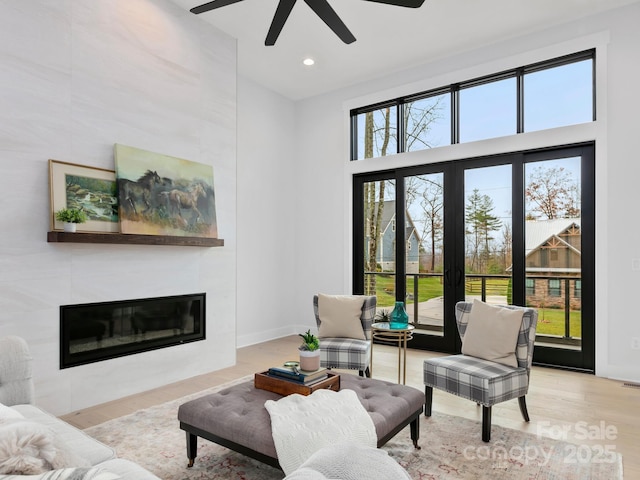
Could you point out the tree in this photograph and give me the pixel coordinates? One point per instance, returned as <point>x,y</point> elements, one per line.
<point>374,196</point>
<point>418,118</point>
<point>480,224</point>
<point>379,133</point>
<point>552,192</point>
<point>431,204</point>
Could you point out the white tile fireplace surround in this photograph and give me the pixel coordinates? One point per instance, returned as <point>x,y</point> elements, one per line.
<point>79,77</point>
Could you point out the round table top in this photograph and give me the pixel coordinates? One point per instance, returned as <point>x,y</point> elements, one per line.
<point>387,326</point>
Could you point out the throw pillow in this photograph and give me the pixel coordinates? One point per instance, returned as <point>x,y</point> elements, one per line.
<point>29,448</point>
<point>8,412</point>
<point>492,333</point>
<point>25,447</point>
<point>340,316</point>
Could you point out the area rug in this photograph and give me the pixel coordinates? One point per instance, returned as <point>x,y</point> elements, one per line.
<point>451,449</point>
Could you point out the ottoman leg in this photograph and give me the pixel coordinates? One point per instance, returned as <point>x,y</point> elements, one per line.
<point>192,448</point>
<point>415,431</point>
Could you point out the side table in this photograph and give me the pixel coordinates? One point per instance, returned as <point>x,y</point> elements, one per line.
<point>400,336</point>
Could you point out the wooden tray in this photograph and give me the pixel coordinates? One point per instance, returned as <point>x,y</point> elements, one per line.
<point>285,387</point>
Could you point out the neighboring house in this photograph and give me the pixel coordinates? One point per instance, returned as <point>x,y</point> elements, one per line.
<point>386,257</point>
<point>553,249</point>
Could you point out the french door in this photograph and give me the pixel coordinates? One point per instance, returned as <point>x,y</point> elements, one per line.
<point>509,229</point>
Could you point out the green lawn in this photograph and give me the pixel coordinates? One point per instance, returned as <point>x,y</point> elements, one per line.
<point>550,320</point>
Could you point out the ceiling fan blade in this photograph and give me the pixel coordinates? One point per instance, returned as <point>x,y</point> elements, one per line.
<point>330,17</point>
<point>212,5</point>
<point>279,19</point>
<point>401,3</point>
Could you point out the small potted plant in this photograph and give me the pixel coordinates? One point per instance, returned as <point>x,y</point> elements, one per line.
<point>309,351</point>
<point>383,315</point>
<point>71,217</point>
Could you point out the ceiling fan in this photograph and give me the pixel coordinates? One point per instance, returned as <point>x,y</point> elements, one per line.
<point>320,7</point>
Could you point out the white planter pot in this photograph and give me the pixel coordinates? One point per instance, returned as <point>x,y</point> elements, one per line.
<point>70,227</point>
<point>309,361</point>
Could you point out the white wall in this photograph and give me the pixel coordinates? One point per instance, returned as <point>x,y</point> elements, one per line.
<point>76,78</point>
<point>267,225</point>
<point>324,172</point>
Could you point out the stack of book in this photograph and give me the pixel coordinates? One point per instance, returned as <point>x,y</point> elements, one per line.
<point>299,376</point>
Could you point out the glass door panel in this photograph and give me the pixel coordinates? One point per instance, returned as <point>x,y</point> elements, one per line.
<point>424,251</point>
<point>488,234</point>
<point>379,223</point>
<point>553,256</point>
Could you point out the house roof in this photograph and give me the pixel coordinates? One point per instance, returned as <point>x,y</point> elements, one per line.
<point>538,232</point>
<point>389,213</point>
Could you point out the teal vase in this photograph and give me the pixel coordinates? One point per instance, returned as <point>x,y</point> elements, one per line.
<point>399,317</point>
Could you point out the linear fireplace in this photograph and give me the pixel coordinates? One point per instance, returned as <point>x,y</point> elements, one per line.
<point>92,332</point>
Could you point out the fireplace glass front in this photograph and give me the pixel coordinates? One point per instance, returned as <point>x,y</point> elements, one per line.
<point>92,332</point>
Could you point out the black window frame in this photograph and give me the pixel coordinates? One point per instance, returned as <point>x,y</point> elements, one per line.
<point>454,91</point>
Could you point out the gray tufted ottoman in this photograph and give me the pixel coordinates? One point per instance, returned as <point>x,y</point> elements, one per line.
<point>236,418</point>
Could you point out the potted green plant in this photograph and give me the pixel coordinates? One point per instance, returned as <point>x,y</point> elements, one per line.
<point>309,351</point>
<point>71,217</point>
<point>383,315</point>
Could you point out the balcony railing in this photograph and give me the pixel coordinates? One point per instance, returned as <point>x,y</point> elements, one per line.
<point>559,315</point>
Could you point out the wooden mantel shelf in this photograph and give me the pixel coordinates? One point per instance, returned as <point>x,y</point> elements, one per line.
<point>118,238</point>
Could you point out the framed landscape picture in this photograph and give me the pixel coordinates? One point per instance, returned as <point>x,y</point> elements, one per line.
<point>163,195</point>
<point>91,189</point>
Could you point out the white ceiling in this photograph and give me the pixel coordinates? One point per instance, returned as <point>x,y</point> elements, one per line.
<point>389,38</point>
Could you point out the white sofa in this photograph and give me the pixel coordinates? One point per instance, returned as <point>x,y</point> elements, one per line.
<point>17,393</point>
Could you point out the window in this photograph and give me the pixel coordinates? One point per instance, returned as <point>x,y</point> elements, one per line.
<point>530,286</point>
<point>553,254</point>
<point>427,122</point>
<point>377,132</point>
<point>568,87</point>
<point>488,110</point>
<point>548,94</point>
<point>577,288</point>
<point>554,287</point>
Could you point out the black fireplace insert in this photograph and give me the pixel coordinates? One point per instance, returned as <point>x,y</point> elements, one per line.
<point>93,332</point>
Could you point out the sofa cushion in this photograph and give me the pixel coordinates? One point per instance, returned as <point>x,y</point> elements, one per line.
<point>82,473</point>
<point>75,440</point>
<point>8,412</point>
<point>348,461</point>
<point>127,470</point>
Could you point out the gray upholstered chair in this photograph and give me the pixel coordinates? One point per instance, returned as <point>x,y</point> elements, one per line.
<point>349,353</point>
<point>483,381</point>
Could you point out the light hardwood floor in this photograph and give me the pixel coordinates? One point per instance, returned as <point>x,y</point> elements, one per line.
<point>561,403</point>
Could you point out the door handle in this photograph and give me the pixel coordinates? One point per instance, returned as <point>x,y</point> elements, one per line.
<point>446,278</point>
<point>458,277</point>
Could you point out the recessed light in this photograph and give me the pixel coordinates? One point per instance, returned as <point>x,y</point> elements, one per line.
<point>308,61</point>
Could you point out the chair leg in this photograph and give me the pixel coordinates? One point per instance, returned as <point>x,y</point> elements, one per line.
<point>486,423</point>
<point>367,373</point>
<point>523,408</point>
<point>428,400</point>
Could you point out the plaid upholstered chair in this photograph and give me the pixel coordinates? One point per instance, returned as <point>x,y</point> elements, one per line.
<point>486,382</point>
<point>344,330</point>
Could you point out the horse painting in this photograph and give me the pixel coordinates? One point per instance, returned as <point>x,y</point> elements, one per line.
<point>179,199</point>
<point>132,193</point>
